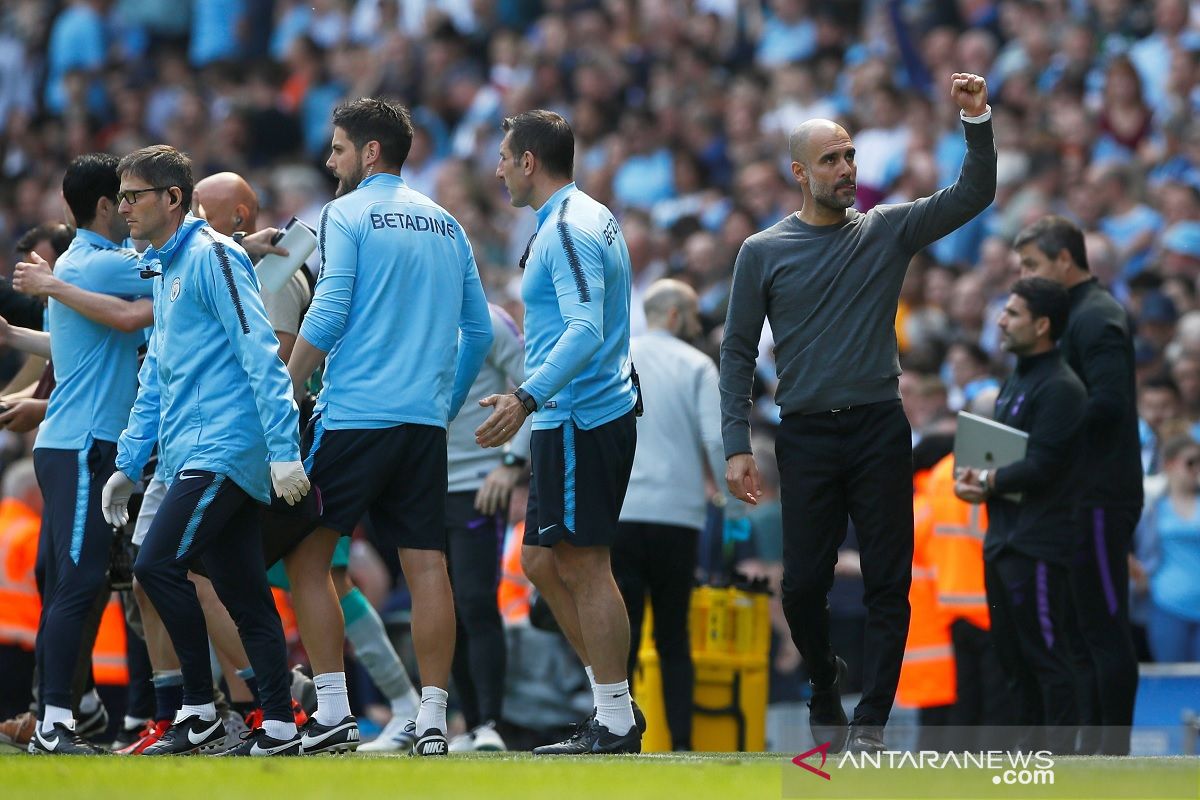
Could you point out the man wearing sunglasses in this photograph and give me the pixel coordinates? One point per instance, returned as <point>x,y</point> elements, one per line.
<point>215,396</point>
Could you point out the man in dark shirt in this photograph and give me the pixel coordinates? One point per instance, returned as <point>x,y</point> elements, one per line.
<point>1098,346</point>
<point>1031,504</point>
<point>828,279</point>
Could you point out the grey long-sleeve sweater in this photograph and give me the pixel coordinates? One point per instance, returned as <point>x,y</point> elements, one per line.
<point>830,293</point>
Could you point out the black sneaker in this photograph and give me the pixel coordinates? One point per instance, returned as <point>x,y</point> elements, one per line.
<point>341,737</point>
<point>592,737</point>
<point>866,738</point>
<point>61,741</point>
<point>259,743</point>
<point>94,724</point>
<point>826,717</point>
<point>430,743</point>
<point>189,735</point>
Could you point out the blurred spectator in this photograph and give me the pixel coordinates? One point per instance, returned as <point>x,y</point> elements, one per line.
<point>1159,405</point>
<point>1168,549</point>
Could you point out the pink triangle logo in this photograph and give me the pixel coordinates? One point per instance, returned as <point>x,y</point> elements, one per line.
<point>823,749</point>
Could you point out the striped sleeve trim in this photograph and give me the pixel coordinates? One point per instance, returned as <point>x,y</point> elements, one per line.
<point>564,233</point>
<point>321,239</point>
<point>227,272</point>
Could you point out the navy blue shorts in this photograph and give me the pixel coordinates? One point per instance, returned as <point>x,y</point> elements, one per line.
<point>397,475</point>
<point>578,482</point>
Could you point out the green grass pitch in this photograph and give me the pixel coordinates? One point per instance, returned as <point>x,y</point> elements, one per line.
<point>729,776</point>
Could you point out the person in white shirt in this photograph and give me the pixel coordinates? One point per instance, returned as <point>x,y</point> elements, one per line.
<point>665,507</point>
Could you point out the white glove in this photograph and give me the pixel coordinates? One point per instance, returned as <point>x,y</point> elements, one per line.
<point>114,499</point>
<point>289,481</point>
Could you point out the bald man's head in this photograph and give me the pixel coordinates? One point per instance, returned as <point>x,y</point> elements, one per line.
<point>813,132</point>
<point>228,202</point>
<point>672,306</point>
<point>823,164</point>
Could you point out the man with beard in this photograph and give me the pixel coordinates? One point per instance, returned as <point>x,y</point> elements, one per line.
<point>828,278</point>
<point>1028,545</point>
<point>400,318</point>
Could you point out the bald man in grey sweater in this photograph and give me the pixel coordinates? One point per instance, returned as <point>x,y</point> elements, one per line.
<point>828,278</point>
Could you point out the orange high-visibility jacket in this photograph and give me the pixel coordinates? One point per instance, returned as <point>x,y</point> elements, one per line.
<point>956,549</point>
<point>515,590</point>
<point>20,605</point>
<point>927,673</point>
<point>108,655</point>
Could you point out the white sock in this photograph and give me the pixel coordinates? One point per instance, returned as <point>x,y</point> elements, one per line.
<point>55,714</point>
<point>132,722</point>
<point>279,729</point>
<point>89,702</point>
<point>591,678</point>
<point>206,712</point>
<point>333,704</point>
<point>613,707</point>
<point>433,709</point>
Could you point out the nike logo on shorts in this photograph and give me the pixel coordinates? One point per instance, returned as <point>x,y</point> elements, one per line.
<point>541,531</point>
<point>183,476</point>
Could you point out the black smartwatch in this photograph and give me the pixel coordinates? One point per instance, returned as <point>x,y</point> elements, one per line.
<point>526,400</point>
<point>514,460</point>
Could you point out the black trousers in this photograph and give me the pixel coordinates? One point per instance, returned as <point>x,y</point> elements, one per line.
<point>207,516</point>
<point>1102,640</point>
<point>474,548</point>
<point>1029,602</point>
<point>854,463</point>
<point>661,560</point>
<point>72,564</point>
<point>984,705</point>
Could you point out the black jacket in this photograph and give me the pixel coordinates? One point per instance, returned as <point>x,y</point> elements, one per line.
<point>1098,346</point>
<point>1046,399</point>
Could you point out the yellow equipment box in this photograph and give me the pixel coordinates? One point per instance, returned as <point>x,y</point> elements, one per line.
<point>730,632</point>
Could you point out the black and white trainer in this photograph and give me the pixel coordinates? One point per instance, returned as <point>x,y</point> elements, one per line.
<point>62,740</point>
<point>593,738</point>
<point>341,737</point>
<point>431,742</point>
<point>189,735</point>
<point>259,743</point>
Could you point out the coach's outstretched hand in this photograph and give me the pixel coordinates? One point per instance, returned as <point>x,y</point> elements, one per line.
<point>289,481</point>
<point>508,414</point>
<point>114,499</point>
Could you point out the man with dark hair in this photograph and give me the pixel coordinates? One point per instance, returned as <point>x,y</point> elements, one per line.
<point>50,240</point>
<point>215,397</point>
<point>581,393</point>
<point>1159,402</point>
<point>1031,503</point>
<point>377,440</point>
<point>95,368</point>
<point>828,279</point>
<point>1098,345</point>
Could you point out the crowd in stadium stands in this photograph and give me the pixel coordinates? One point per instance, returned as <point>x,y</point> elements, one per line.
<point>682,109</point>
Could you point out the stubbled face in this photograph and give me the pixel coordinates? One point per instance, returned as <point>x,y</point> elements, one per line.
<point>832,174</point>
<point>345,162</point>
<point>1019,330</point>
<point>149,216</point>
<point>511,171</point>
<point>1036,264</point>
